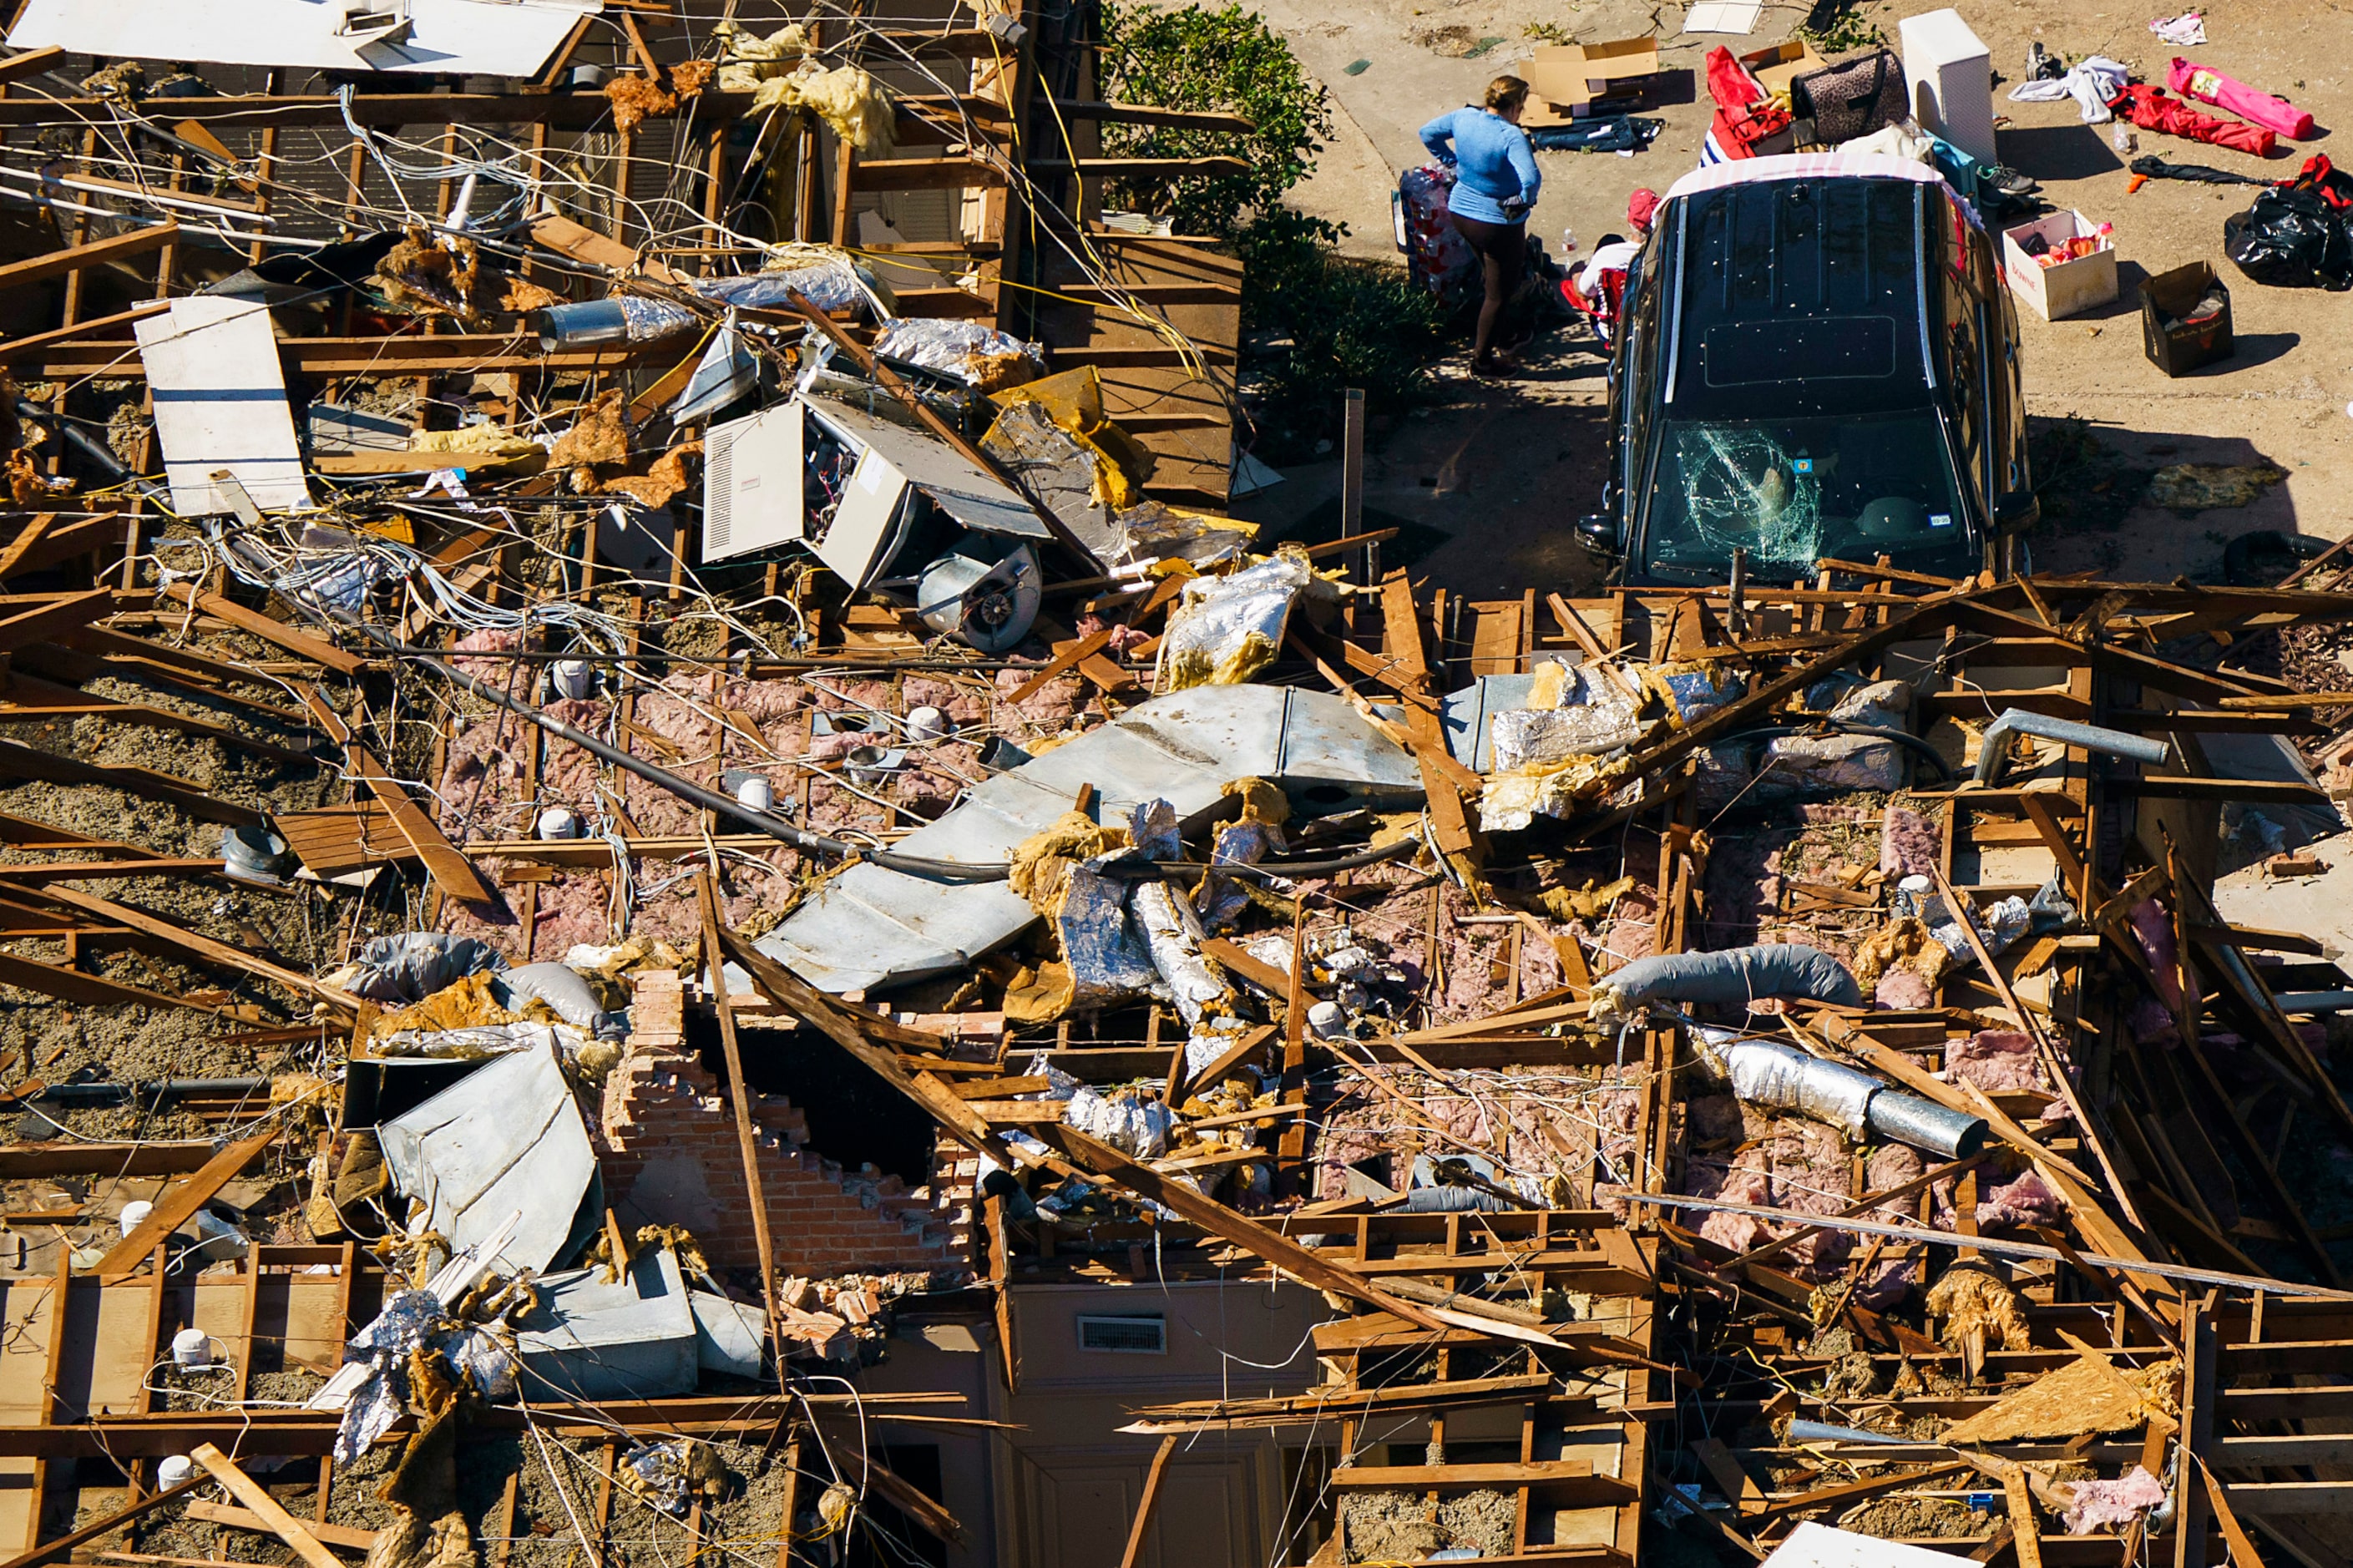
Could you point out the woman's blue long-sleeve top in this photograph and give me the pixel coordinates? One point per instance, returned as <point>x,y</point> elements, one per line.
<point>1494,165</point>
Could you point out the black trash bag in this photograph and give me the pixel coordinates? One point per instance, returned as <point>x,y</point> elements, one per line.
<point>2291,238</point>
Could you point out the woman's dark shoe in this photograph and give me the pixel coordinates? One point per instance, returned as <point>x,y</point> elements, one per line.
<point>1493,366</point>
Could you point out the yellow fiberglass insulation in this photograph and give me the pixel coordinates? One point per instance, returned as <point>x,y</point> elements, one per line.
<point>1042,863</point>
<point>1980,1312</point>
<point>1900,944</point>
<point>1073,400</point>
<point>853,103</point>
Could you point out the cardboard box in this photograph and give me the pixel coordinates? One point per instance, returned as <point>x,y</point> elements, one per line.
<point>2174,345</point>
<point>2069,287</point>
<point>1777,68</point>
<point>1576,81</point>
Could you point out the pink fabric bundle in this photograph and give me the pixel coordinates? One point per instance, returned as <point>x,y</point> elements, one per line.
<point>2209,86</point>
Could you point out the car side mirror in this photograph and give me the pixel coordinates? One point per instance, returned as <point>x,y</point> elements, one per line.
<point>1598,531</point>
<point>2018,510</point>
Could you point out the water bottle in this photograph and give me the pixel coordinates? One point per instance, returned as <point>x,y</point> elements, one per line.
<point>1569,242</point>
<point>2123,140</point>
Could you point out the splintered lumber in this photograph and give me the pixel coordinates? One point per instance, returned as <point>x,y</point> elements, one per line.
<point>191,942</point>
<point>1231,956</point>
<point>33,62</point>
<point>2088,1394</point>
<point>1238,1229</point>
<point>45,541</point>
<point>857,1034</point>
<point>48,1552</point>
<point>246,1518</point>
<point>73,985</point>
<point>443,861</point>
<point>566,237</point>
<point>74,257</point>
<point>47,622</point>
<point>179,1205</point>
<point>1141,1528</point>
<point>1326,1402</point>
<point>124,361</point>
<point>284,1525</point>
<point>1066,657</point>
<point>22,762</point>
<point>300,644</point>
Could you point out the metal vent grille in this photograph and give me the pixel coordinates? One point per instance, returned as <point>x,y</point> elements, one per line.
<point>718,493</point>
<point>1128,1336</point>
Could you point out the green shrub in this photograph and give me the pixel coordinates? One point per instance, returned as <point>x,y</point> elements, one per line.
<point>1200,58</point>
<point>1313,324</point>
<point>1324,323</point>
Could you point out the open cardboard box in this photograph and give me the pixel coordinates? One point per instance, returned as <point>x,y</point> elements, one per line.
<point>1777,68</point>
<point>1576,81</point>
<point>2066,286</point>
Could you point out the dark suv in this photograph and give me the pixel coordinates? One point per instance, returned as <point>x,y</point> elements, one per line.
<point>1818,359</point>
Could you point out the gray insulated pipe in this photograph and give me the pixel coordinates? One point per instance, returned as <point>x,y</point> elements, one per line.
<point>1765,1072</point>
<point>2067,732</point>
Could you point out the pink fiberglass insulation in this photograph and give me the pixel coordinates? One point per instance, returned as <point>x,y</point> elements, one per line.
<point>962,705</point>
<point>2152,926</point>
<point>671,715</point>
<point>2026,1201</point>
<point>765,702</point>
<point>497,671</point>
<point>2100,1505</point>
<point>1999,1061</point>
<point>854,696</point>
<point>573,908</point>
<point>1812,1176</point>
<point>1046,711</point>
<point>1902,990</point>
<point>1890,1281</point>
<point>481,781</point>
<point>1710,1121</point>
<point>657,812</point>
<point>1909,843</point>
<point>1733,1184</point>
<point>1123,636</point>
<point>1892,1165</point>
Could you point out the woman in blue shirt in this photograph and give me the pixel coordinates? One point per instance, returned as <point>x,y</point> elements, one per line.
<point>1494,188</point>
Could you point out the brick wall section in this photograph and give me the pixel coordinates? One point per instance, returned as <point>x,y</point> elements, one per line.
<point>666,1142</point>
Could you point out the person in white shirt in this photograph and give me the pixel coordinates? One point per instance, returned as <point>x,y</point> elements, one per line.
<point>1615,254</point>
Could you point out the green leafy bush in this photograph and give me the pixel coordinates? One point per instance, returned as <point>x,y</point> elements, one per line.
<point>1201,59</point>
<point>1313,324</point>
<point>1318,323</point>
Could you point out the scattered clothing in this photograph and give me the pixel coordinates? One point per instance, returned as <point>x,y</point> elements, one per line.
<point>2207,85</point>
<point>2093,83</point>
<point>2149,107</point>
<point>2149,166</point>
<point>1748,119</point>
<point>1497,179</point>
<point>2182,32</point>
<point>1610,134</point>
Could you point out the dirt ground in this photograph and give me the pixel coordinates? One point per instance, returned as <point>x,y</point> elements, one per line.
<point>1496,474</point>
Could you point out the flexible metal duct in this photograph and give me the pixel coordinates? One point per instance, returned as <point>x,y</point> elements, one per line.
<point>1768,1073</point>
<point>1735,974</point>
<point>2066,732</point>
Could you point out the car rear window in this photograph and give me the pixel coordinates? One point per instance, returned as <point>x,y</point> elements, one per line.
<point>1787,349</point>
